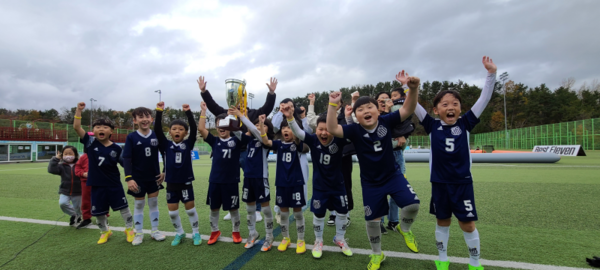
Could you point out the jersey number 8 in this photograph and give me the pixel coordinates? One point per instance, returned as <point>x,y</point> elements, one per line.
<point>148,152</point>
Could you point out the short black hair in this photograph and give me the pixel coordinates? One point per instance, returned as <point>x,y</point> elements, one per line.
<point>74,149</point>
<point>179,122</point>
<point>441,95</point>
<point>270,133</point>
<point>381,93</point>
<point>284,124</point>
<point>140,111</point>
<point>322,119</point>
<point>400,91</point>
<point>362,101</point>
<point>103,122</point>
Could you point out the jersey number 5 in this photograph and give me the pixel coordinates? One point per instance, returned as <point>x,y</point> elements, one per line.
<point>449,144</point>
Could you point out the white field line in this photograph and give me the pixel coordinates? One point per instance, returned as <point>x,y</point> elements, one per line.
<point>395,254</point>
<point>24,169</point>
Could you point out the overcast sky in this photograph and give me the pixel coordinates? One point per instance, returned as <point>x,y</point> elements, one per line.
<point>56,53</point>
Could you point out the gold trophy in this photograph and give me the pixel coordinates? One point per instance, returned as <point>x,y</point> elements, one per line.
<point>238,97</point>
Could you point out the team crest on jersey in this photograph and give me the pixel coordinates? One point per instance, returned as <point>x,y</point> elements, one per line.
<point>231,143</point>
<point>154,142</point>
<point>113,153</point>
<point>258,144</point>
<point>333,149</point>
<point>368,211</point>
<point>316,204</point>
<point>456,131</point>
<point>381,131</point>
<point>182,146</point>
<point>293,147</point>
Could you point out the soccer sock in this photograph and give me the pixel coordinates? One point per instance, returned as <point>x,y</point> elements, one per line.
<point>235,220</point>
<point>214,221</point>
<point>299,225</point>
<point>285,224</point>
<point>268,221</point>
<point>126,214</point>
<point>318,224</point>
<point>407,216</point>
<point>176,220</point>
<point>153,207</point>
<point>442,234</point>
<point>193,216</point>
<point>374,233</point>
<point>251,209</point>
<point>472,240</point>
<point>138,215</point>
<point>102,220</point>
<point>333,213</point>
<point>340,225</point>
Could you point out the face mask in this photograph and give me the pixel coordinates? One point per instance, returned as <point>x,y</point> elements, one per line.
<point>69,159</point>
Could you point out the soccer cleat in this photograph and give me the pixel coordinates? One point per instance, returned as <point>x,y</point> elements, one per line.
<point>285,243</point>
<point>138,239</point>
<point>130,234</point>
<point>439,265</point>
<point>343,245</point>
<point>267,245</point>
<point>227,217</point>
<point>376,261</point>
<point>251,240</point>
<point>595,262</point>
<point>480,267</point>
<point>178,239</point>
<point>237,238</point>
<point>409,238</point>
<point>197,239</point>
<point>317,250</point>
<point>393,226</point>
<point>72,220</point>
<point>300,247</point>
<point>78,220</point>
<point>214,236</point>
<point>104,237</point>
<point>84,223</point>
<point>331,220</point>
<point>383,230</point>
<point>156,235</point>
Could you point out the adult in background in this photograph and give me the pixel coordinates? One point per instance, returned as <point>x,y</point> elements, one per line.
<point>253,114</point>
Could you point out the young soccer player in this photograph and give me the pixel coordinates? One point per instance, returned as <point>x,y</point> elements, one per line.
<point>328,182</point>
<point>63,164</point>
<point>256,180</point>
<point>450,162</point>
<point>142,173</point>
<point>104,176</point>
<point>178,170</point>
<point>224,176</point>
<point>379,173</point>
<point>289,182</point>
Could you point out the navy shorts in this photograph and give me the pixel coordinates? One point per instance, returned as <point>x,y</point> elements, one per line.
<point>291,197</point>
<point>180,193</point>
<point>256,190</point>
<point>104,198</point>
<point>227,195</point>
<point>447,199</point>
<point>332,199</point>
<point>375,196</point>
<point>145,187</point>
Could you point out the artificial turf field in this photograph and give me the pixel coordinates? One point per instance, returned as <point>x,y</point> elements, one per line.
<point>541,214</point>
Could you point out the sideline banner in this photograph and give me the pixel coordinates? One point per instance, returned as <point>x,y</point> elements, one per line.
<point>562,150</point>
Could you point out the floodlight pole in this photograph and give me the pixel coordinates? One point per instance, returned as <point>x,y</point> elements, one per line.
<point>504,78</point>
<point>91,111</point>
<point>159,94</point>
<point>250,96</point>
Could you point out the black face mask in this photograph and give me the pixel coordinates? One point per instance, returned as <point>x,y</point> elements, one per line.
<point>399,101</point>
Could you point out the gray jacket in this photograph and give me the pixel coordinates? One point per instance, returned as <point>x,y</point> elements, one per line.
<point>70,184</point>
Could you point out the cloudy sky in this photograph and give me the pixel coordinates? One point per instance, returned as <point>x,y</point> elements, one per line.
<point>56,53</point>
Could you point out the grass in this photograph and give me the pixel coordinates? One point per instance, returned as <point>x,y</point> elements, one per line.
<point>535,213</point>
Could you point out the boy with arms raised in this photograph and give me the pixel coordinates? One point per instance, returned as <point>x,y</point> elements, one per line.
<point>178,170</point>
<point>380,174</point>
<point>450,163</point>
<point>142,173</point>
<point>104,176</point>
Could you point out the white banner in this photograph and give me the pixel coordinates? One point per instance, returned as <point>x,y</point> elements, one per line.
<point>562,150</point>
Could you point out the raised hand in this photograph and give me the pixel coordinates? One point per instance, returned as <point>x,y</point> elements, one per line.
<point>335,97</point>
<point>388,104</point>
<point>80,106</point>
<point>201,83</point>
<point>203,106</point>
<point>355,96</point>
<point>186,107</point>
<point>262,118</point>
<point>413,82</point>
<point>489,64</point>
<point>272,85</point>
<point>402,77</point>
<point>311,99</point>
<point>348,110</point>
<point>287,110</point>
<point>58,154</point>
<point>160,105</point>
<point>234,111</point>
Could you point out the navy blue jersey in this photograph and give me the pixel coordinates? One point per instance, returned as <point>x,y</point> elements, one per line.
<point>327,162</point>
<point>178,156</point>
<point>143,152</point>
<point>450,157</point>
<point>256,165</point>
<point>103,160</point>
<point>225,167</point>
<point>374,149</point>
<point>289,171</point>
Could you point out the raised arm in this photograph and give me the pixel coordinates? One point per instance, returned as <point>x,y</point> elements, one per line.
<point>192,123</point>
<point>160,134</point>
<point>276,120</point>
<point>213,107</point>
<point>412,97</point>
<point>265,139</point>
<point>53,166</point>
<point>267,108</point>
<point>488,88</point>
<point>77,121</point>
<point>348,114</point>
<point>311,115</point>
<point>202,122</point>
<point>288,112</point>
<point>332,124</point>
<point>251,127</point>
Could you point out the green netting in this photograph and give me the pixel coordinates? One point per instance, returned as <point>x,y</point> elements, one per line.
<point>5,123</point>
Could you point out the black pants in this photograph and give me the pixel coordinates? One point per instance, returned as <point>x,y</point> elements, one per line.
<point>347,172</point>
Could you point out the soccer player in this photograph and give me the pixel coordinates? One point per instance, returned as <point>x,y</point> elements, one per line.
<point>450,163</point>
<point>104,176</point>
<point>380,174</point>
<point>224,176</point>
<point>328,182</point>
<point>142,173</point>
<point>256,180</point>
<point>178,170</point>
<point>289,182</point>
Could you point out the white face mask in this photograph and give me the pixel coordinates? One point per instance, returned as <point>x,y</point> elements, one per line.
<point>69,159</point>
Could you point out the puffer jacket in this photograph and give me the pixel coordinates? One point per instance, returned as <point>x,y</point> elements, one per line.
<point>70,184</point>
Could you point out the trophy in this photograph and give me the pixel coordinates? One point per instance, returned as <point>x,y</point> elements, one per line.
<point>238,97</point>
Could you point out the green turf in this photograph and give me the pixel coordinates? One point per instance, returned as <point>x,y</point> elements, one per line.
<point>536,213</point>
